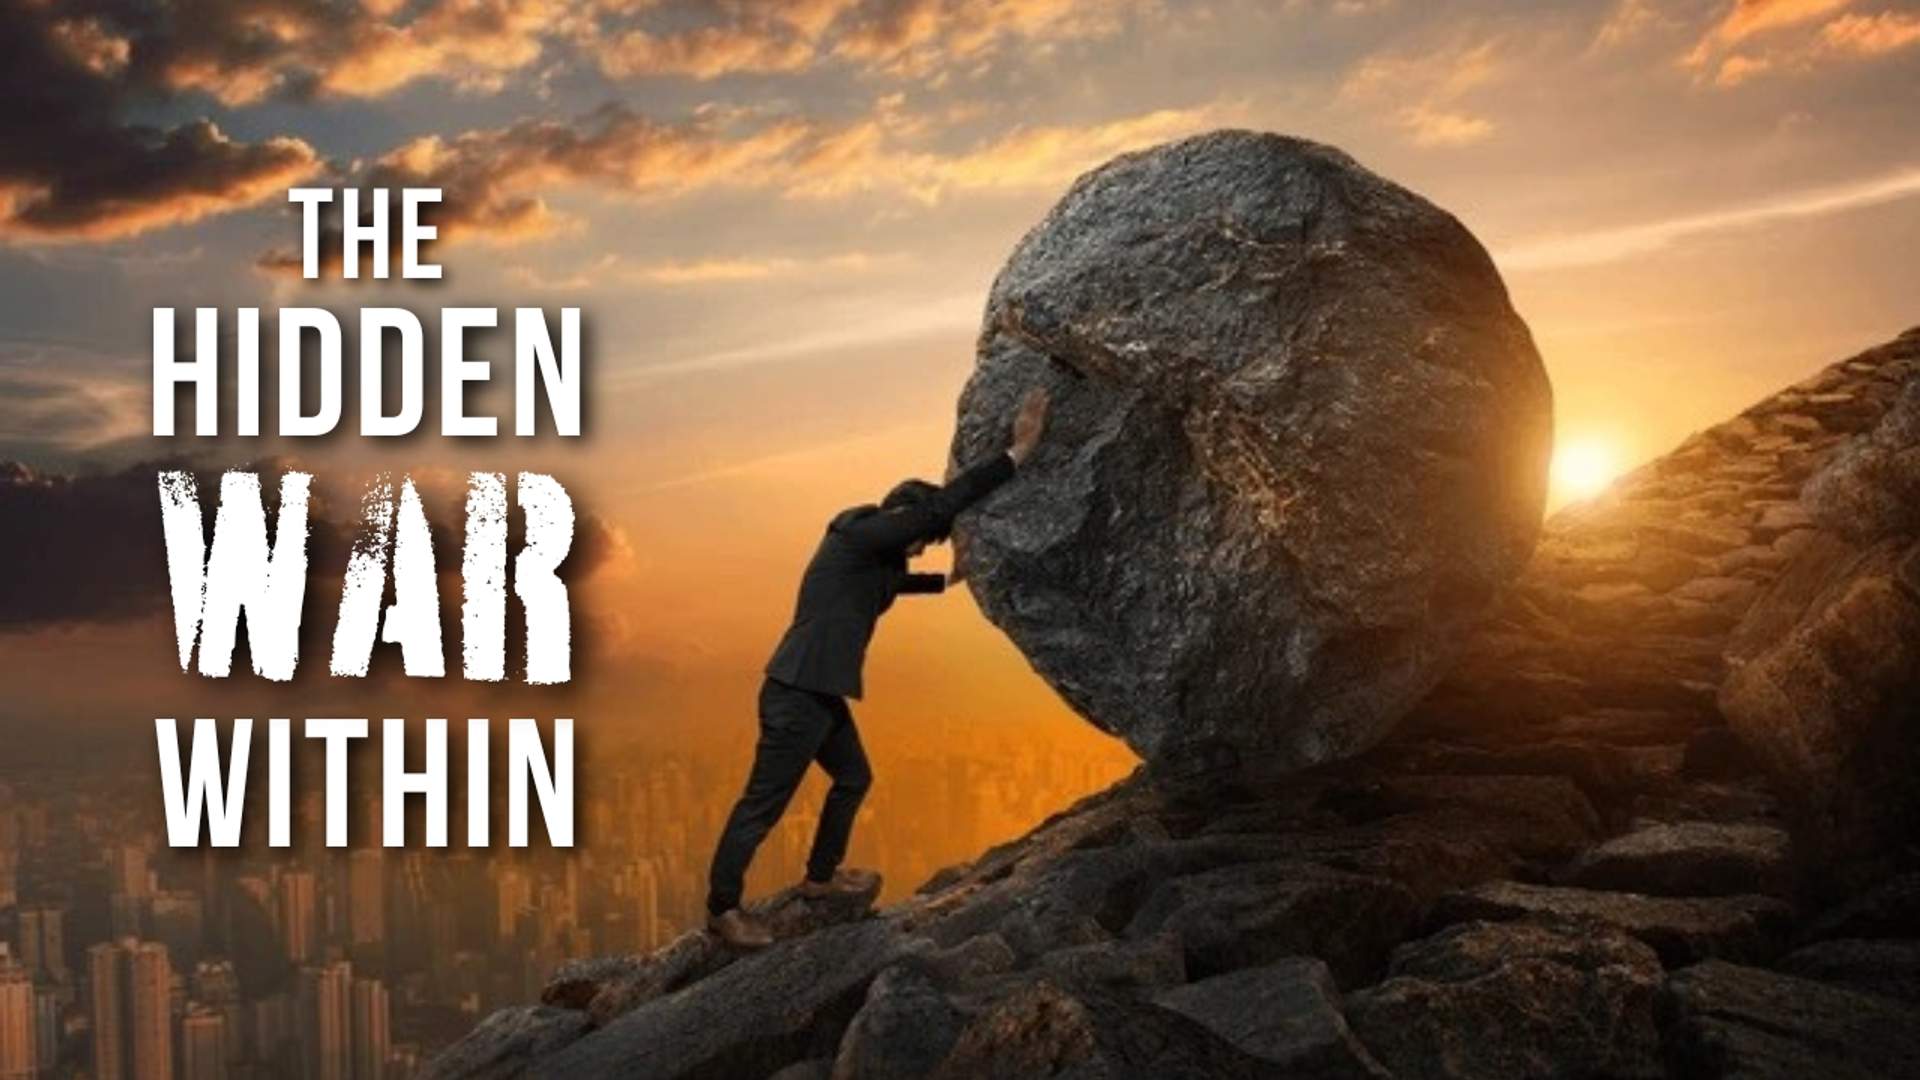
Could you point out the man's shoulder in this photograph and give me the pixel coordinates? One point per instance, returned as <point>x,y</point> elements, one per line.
<point>851,515</point>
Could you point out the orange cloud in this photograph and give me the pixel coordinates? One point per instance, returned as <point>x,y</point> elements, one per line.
<point>1871,35</point>
<point>495,182</point>
<point>1749,17</point>
<point>707,52</point>
<point>905,38</point>
<point>612,269</point>
<point>493,179</point>
<point>472,42</point>
<point>1631,241</point>
<point>1849,36</point>
<point>243,51</point>
<point>1025,158</point>
<point>1628,20</point>
<point>92,45</point>
<point>911,37</point>
<point>1438,127</point>
<point>1437,82</point>
<point>1738,68</point>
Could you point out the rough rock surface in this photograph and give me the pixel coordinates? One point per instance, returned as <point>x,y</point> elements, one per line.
<point>1681,929</point>
<point>788,1002</point>
<point>1287,1013</point>
<point>510,1041</point>
<point>1890,909</point>
<point>1037,1028</point>
<point>1580,725</point>
<point>1724,1020</point>
<point>1528,998</point>
<point>1825,679</point>
<point>607,987</point>
<point>1884,966</point>
<point>906,1028</point>
<point>1298,446</point>
<point>1690,858</point>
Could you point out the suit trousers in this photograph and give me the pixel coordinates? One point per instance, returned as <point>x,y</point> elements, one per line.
<point>797,728</point>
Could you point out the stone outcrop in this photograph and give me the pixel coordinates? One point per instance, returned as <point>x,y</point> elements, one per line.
<point>1724,1020</point>
<point>1681,929</point>
<point>610,986</point>
<point>1298,446</point>
<point>510,1042</point>
<point>591,993</point>
<point>1287,1013</point>
<point>1888,968</point>
<point>1690,858</point>
<point>1563,863</point>
<point>1825,680</point>
<point>1528,998</point>
<point>754,1016</point>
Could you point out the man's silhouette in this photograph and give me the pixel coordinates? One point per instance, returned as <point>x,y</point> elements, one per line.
<point>860,566</point>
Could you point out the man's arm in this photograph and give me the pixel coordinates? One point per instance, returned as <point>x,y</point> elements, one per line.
<point>923,583</point>
<point>932,517</point>
<point>893,530</point>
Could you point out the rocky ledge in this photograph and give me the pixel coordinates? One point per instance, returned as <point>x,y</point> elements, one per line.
<point>1565,863</point>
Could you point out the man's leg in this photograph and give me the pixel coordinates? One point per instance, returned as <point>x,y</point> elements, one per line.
<point>844,759</point>
<point>792,725</point>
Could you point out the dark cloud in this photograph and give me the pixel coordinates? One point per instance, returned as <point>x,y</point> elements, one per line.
<point>72,166</point>
<point>245,51</point>
<point>79,548</point>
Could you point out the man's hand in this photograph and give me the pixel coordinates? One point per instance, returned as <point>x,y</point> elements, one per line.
<point>959,572</point>
<point>1029,424</point>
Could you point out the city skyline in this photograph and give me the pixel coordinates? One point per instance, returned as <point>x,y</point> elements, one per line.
<point>780,221</point>
<point>315,962</point>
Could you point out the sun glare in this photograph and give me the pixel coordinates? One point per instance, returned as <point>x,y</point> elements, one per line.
<point>1582,468</point>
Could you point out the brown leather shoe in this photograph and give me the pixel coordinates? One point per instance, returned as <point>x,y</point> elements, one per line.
<point>741,930</point>
<point>844,883</point>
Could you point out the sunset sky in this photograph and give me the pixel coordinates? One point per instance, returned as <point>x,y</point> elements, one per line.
<point>781,219</point>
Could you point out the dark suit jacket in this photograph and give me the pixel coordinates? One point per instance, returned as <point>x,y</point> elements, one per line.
<point>860,566</point>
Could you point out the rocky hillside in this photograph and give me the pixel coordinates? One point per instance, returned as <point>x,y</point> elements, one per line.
<point>1565,863</point>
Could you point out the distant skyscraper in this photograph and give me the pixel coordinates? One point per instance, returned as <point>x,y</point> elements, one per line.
<point>127,869</point>
<point>177,920</point>
<point>132,1010</point>
<point>43,942</point>
<point>204,1050</point>
<point>325,1007</point>
<point>217,987</point>
<point>46,1027</point>
<point>646,903</point>
<point>18,1059</point>
<point>371,1038</point>
<point>107,1000</point>
<point>367,897</point>
<point>297,915</point>
<point>150,978</point>
<point>513,895</point>
<point>272,1031</point>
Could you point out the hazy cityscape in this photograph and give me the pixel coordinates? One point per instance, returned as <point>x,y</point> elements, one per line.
<point>127,960</point>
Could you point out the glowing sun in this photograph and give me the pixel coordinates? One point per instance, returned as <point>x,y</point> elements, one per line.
<point>1582,468</point>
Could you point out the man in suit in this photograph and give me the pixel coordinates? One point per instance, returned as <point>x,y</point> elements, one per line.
<point>858,569</point>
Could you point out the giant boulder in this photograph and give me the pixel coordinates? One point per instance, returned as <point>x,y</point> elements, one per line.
<point>1298,445</point>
